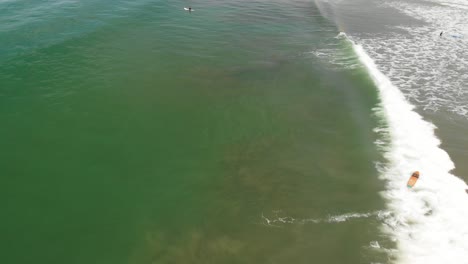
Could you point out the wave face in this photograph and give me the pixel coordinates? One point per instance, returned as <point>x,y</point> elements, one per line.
<point>175,129</point>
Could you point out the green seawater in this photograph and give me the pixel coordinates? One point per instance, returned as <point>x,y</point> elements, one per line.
<point>135,132</point>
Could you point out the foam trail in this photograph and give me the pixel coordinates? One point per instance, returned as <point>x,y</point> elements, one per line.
<point>429,222</point>
<point>276,220</point>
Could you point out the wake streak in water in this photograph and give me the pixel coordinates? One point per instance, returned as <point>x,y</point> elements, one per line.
<point>278,220</point>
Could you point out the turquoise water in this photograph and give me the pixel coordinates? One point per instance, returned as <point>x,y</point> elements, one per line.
<point>140,133</point>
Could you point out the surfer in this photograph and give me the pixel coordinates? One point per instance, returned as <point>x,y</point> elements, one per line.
<point>190,9</point>
<point>441,33</point>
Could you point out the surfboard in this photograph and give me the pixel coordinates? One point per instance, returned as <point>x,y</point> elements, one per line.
<point>186,9</point>
<point>413,179</point>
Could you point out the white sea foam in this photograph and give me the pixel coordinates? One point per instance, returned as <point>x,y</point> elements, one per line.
<point>336,57</point>
<point>430,70</point>
<point>374,244</point>
<point>429,221</point>
<point>277,219</point>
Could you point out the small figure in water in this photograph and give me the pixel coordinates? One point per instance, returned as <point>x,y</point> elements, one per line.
<point>441,33</point>
<point>190,10</point>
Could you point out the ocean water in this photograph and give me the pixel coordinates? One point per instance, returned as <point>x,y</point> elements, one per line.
<point>242,132</point>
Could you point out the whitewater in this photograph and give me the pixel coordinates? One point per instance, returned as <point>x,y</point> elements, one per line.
<point>428,61</point>
<point>414,66</point>
<point>429,221</point>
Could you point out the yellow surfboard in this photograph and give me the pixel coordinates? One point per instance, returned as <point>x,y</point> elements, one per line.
<point>413,179</point>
